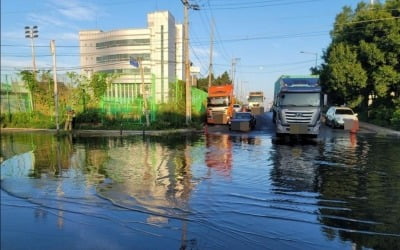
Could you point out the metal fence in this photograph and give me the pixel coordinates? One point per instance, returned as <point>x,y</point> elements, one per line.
<point>14,98</point>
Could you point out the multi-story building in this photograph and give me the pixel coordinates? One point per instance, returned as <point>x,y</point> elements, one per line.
<point>159,46</point>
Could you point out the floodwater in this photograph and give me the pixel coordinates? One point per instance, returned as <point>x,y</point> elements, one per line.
<point>215,191</point>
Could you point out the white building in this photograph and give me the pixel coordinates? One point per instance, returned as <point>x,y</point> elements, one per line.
<point>160,46</point>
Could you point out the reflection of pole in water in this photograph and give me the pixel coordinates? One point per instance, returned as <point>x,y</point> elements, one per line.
<point>59,190</point>
<point>186,190</point>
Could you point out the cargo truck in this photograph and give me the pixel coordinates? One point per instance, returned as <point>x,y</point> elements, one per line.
<point>256,99</point>
<point>220,102</point>
<point>297,105</point>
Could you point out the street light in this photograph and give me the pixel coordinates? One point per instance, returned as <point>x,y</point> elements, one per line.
<point>187,6</point>
<point>312,53</point>
<point>32,33</point>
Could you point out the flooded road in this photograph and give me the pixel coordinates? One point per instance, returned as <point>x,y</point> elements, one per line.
<point>213,191</point>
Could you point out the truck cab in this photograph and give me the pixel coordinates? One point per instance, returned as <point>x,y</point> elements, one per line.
<point>220,102</point>
<point>297,106</point>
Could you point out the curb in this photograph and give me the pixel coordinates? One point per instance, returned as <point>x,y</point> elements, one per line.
<point>379,130</point>
<point>104,132</point>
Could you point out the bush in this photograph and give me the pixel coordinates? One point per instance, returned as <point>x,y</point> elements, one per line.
<point>395,121</point>
<point>91,115</point>
<point>28,120</point>
<point>381,115</point>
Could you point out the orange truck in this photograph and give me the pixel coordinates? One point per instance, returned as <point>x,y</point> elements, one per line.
<point>220,102</point>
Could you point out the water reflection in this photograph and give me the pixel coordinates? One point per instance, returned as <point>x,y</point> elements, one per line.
<point>160,192</point>
<point>148,175</point>
<point>219,153</point>
<point>365,183</point>
<point>354,178</point>
<point>143,176</point>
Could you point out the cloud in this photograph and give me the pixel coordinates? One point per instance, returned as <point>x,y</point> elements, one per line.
<point>76,10</point>
<point>12,35</point>
<point>68,36</point>
<point>46,20</point>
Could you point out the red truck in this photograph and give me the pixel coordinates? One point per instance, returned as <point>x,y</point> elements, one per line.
<point>220,102</point>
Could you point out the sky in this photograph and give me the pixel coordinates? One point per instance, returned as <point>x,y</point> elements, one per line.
<point>263,38</point>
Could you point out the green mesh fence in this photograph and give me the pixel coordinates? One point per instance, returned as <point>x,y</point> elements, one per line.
<point>14,99</point>
<point>123,100</point>
<point>199,101</point>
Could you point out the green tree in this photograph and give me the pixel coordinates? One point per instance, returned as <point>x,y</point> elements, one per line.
<point>29,78</point>
<point>99,83</point>
<point>223,79</point>
<point>363,57</point>
<point>346,76</point>
<point>202,83</point>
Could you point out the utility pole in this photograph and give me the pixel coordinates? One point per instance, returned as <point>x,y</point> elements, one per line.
<point>146,110</point>
<point>233,70</point>
<point>187,6</point>
<point>8,98</point>
<point>53,52</point>
<point>210,68</point>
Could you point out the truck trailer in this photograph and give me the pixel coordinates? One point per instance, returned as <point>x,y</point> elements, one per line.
<point>220,102</point>
<point>297,105</point>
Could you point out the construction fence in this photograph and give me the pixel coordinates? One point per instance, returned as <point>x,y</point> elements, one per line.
<point>127,104</point>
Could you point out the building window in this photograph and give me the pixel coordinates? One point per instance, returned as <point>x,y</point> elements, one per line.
<point>126,71</point>
<point>119,43</point>
<point>120,57</point>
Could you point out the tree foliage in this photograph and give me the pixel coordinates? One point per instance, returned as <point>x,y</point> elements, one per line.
<point>363,59</point>
<point>29,78</point>
<point>223,79</point>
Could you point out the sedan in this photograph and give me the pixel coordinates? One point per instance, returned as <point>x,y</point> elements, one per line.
<point>335,116</point>
<point>243,121</point>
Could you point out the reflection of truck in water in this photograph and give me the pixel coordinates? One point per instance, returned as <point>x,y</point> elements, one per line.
<point>297,105</point>
<point>220,104</point>
<point>219,153</point>
<point>256,102</point>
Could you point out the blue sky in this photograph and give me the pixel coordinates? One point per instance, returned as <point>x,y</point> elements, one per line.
<point>265,36</point>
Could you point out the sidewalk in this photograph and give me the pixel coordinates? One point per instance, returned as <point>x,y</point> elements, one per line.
<point>379,130</point>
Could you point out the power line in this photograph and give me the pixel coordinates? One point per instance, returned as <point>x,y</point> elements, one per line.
<point>296,35</point>
<point>248,6</point>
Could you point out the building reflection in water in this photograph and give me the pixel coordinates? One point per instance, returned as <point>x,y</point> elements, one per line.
<point>142,175</point>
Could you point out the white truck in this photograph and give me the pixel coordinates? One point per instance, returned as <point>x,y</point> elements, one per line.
<point>297,105</point>
<point>256,102</point>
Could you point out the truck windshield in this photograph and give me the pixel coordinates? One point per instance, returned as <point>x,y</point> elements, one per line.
<point>220,101</point>
<point>300,99</point>
<point>256,99</point>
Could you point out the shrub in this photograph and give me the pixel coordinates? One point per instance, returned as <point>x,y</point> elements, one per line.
<point>91,115</point>
<point>395,121</point>
<point>28,120</point>
<point>381,115</point>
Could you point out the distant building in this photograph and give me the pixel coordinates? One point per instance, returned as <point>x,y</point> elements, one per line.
<point>160,46</point>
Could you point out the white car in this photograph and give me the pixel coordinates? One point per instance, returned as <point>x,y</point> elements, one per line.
<point>237,107</point>
<point>335,116</point>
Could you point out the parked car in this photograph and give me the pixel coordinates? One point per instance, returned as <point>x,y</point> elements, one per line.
<point>237,107</point>
<point>335,116</point>
<point>243,121</point>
